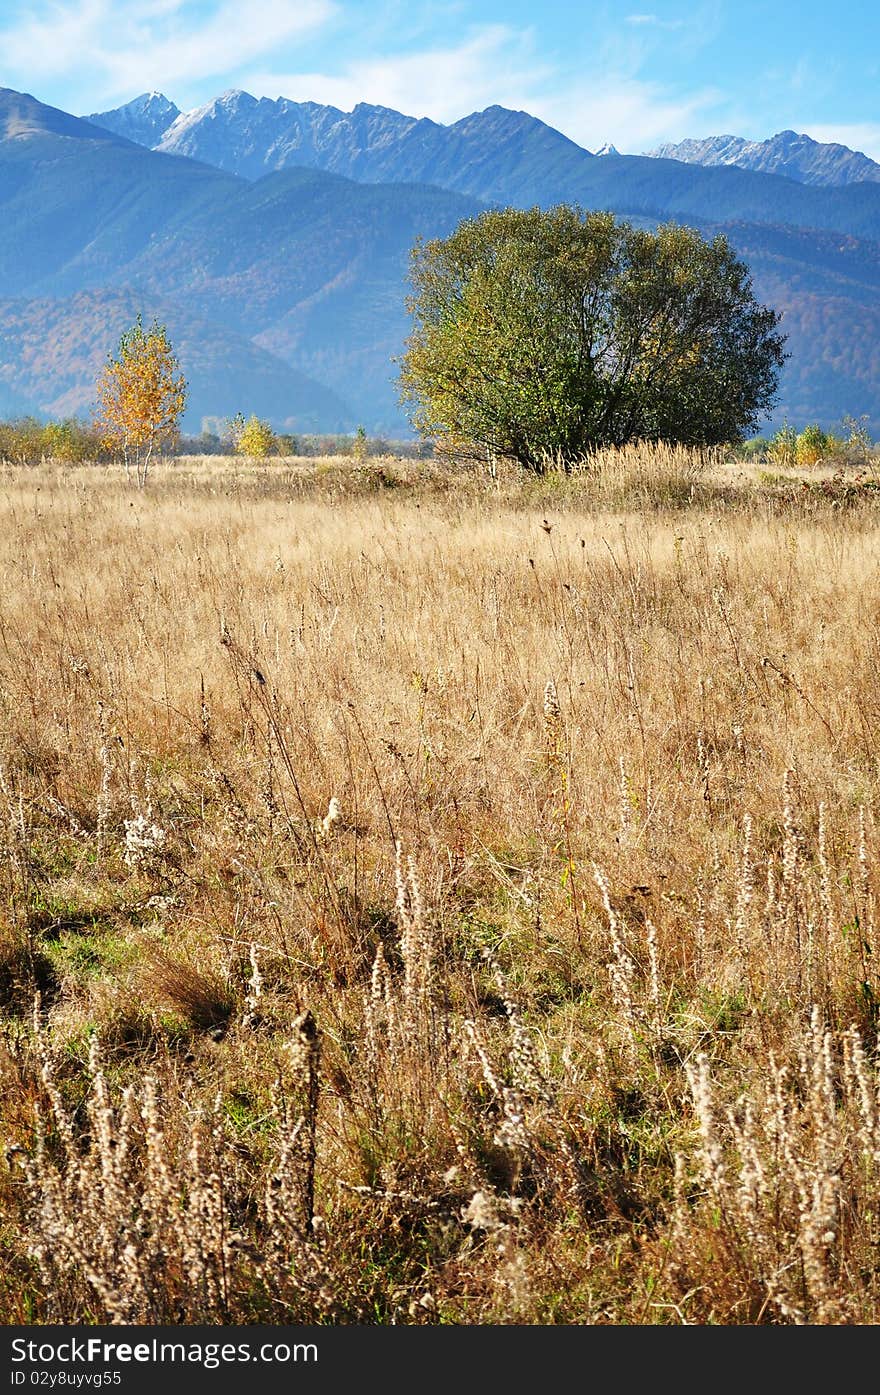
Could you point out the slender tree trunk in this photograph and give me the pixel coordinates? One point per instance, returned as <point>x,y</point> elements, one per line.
<point>142,472</point>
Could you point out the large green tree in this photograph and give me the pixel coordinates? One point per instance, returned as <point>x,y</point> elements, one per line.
<point>553,332</point>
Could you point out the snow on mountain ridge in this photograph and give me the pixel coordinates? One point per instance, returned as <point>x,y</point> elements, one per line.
<point>788,153</point>
<point>144,119</point>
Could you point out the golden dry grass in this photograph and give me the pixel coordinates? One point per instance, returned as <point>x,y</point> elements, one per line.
<point>567,1011</point>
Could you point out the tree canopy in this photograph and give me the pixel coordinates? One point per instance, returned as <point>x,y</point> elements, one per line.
<point>556,332</point>
<point>254,437</point>
<point>141,395</point>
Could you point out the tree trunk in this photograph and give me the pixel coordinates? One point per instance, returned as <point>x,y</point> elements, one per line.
<point>143,468</point>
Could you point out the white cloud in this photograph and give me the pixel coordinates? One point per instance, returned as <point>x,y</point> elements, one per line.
<point>182,48</point>
<point>864,136</point>
<point>497,64</point>
<point>493,65</point>
<point>130,45</point>
<point>631,114</point>
<point>654,22</point>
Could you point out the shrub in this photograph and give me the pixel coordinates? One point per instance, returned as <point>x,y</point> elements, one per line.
<point>859,445</point>
<point>71,442</point>
<point>360,446</point>
<point>812,445</point>
<point>27,441</point>
<point>782,449</point>
<point>754,449</point>
<point>21,441</point>
<point>254,438</point>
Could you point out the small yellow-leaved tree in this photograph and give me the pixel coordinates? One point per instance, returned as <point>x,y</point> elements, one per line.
<point>254,437</point>
<point>141,396</point>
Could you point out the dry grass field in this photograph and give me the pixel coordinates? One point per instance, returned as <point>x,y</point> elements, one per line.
<point>429,897</point>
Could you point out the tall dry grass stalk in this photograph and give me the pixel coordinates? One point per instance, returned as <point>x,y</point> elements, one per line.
<point>648,473</point>
<point>790,1178</point>
<point>450,897</point>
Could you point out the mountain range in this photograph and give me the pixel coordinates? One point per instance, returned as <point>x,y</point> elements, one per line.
<point>252,136</point>
<point>497,156</point>
<point>798,157</point>
<point>273,237</point>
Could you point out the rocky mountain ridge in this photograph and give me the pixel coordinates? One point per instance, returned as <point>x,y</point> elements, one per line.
<point>252,136</point>
<point>788,153</point>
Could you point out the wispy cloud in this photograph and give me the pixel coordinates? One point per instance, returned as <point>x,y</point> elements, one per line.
<point>411,58</point>
<point>130,44</point>
<point>498,64</point>
<point>492,64</point>
<point>654,22</point>
<point>864,136</point>
<point>631,114</point>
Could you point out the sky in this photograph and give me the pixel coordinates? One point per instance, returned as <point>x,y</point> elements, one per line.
<point>633,74</point>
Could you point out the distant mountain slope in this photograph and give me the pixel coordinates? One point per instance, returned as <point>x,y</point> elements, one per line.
<point>23,116</point>
<point>485,154</point>
<point>797,157</point>
<point>834,367</point>
<point>78,203</point>
<point>488,154</point>
<point>640,185</point>
<point>313,266</point>
<point>12,404</point>
<point>253,137</point>
<point>502,156</point>
<point>309,268</point>
<point>310,264</point>
<point>828,290</point>
<point>144,120</point>
<point>55,349</point>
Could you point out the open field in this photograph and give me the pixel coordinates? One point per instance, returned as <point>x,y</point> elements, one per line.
<point>565,1010</point>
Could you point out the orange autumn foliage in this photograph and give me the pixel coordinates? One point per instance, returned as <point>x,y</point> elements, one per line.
<point>141,396</point>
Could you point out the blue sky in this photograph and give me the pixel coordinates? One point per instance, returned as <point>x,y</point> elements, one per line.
<point>633,73</point>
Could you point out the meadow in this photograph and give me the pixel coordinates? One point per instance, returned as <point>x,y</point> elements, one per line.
<point>439,896</point>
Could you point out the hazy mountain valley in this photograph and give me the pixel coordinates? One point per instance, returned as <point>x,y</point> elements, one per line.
<point>275,238</point>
